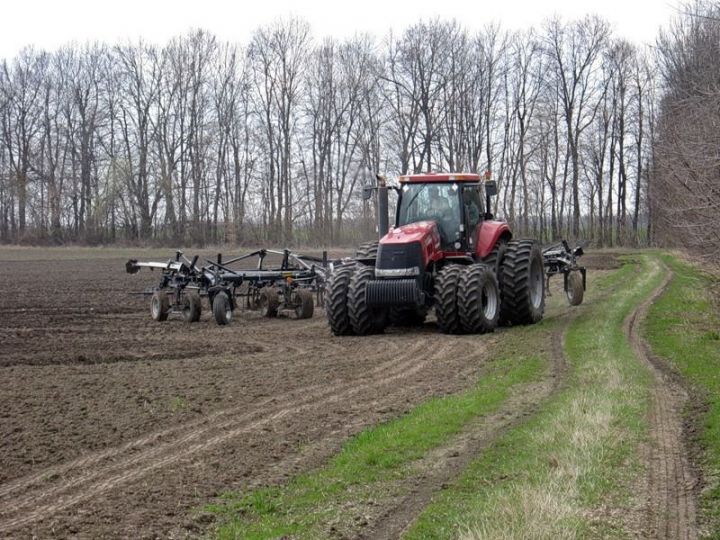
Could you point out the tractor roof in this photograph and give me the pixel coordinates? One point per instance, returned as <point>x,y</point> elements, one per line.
<point>439,177</point>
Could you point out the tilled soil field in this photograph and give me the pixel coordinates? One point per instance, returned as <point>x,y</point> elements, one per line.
<point>113,425</point>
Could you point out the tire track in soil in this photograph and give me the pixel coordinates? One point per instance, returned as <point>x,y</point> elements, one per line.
<point>443,465</point>
<point>86,478</point>
<point>669,508</point>
<point>197,426</point>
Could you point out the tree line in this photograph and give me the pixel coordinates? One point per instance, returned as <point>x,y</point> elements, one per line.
<point>684,198</point>
<point>203,141</point>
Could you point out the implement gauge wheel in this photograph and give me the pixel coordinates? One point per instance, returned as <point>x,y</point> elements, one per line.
<point>575,292</point>
<point>159,306</point>
<point>268,302</point>
<point>222,308</point>
<point>192,307</point>
<point>305,305</point>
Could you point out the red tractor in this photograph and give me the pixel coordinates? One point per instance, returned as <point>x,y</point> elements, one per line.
<point>445,252</point>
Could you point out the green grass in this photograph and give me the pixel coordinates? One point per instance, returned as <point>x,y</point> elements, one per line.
<point>322,502</point>
<point>683,327</point>
<point>562,473</point>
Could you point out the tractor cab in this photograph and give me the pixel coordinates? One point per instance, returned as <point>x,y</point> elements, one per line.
<point>453,201</point>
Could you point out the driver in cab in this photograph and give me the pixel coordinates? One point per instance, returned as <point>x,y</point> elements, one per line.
<point>439,205</point>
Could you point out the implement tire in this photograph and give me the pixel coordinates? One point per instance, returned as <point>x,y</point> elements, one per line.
<point>305,305</point>
<point>268,302</point>
<point>336,300</point>
<point>222,308</point>
<point>192,307</point>
<point>478,299</point>
<point>522,286</point>
<point>159,306</point>
<point>575,291</point>
<point>364,319</point>
<point>446,299</point>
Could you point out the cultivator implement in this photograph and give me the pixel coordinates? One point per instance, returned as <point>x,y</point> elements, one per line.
<point>295,285</point>
<point>561,259</point>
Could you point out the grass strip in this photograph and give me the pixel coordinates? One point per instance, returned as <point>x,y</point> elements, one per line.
<point>324,502</point>
<point>564,472</point>
<point>683,327</point>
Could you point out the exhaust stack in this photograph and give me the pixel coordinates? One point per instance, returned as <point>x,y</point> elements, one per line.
<point>382,207</point>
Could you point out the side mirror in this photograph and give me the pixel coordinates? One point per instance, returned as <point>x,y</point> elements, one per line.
<point>367,193</point>
<point>490,188</point>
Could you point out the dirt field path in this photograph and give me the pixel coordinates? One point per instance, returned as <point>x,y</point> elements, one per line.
<point>669,511</point>
<point>112,425</point>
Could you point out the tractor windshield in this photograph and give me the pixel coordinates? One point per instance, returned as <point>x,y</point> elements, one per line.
<point>432,202</point>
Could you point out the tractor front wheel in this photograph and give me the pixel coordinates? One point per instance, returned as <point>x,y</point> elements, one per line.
<point>336,300</point>
<point>478,299</point>
<point>364,319</point>
<point>446,299</point>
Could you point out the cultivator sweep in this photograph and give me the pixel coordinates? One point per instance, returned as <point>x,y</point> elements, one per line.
<point>295,285</point>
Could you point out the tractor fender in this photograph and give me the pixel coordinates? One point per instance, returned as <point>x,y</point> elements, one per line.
<point>489,233</point>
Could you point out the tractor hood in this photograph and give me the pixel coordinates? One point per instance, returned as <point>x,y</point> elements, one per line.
<point>425,232</point>
<point>422,236</point>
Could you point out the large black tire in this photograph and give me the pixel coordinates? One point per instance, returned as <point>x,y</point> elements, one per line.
<point>192,307</point>
<point>407,316</point>
<point>478,299</point>
<point>305,305</point>
<point>268,302</point>
<point>336,300</point>
<point>446,299</point>
<point>222,308</point>
<point>575,292</point>
<point>367,250</point>
<point>364,318</point>
<point>495,257</point>
<point>522,287</point>
<point>159,306</point>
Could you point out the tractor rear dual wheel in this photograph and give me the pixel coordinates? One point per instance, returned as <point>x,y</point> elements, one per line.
<point>522,283</point>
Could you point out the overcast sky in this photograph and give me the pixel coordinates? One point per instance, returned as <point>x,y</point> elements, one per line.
<point>49,24</point>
